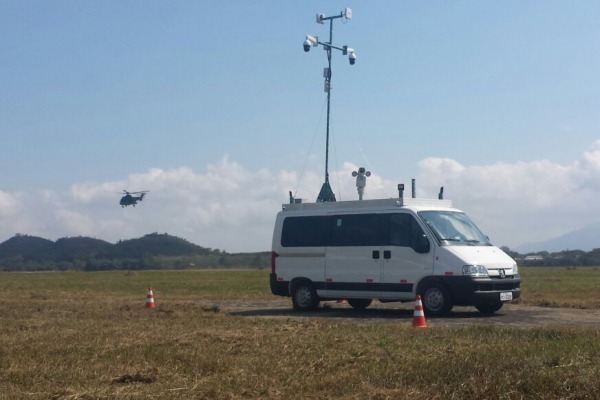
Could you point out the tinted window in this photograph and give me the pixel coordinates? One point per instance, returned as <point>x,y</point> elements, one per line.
<point>304,232</point>
<point>356,230</point>
<point>404,230</point>
<point>351,230</point>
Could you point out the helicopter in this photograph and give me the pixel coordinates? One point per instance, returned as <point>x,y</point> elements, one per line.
<point>129,200</point>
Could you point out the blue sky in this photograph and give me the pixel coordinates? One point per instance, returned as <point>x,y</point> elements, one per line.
<point>214,107</point>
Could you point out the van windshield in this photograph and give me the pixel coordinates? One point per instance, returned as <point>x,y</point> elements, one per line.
<point>454,228</point>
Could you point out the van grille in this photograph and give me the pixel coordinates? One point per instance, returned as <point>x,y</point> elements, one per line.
<point>493,286</point>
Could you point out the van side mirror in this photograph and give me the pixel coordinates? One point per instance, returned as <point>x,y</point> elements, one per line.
<point>422,245</point>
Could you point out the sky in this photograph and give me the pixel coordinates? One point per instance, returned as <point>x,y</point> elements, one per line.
<point>216,110</point>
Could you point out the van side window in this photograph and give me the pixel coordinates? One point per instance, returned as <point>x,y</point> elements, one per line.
<point>404,230</point>
<point>304,232</point>
<point>356,230</point>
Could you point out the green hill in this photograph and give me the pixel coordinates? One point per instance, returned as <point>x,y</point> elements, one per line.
<point>79,247</point>
<point>27,247</point>
<point>155,244</point>
<point>152,251</point>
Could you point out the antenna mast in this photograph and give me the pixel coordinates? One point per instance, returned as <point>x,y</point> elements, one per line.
<point>326,194</point>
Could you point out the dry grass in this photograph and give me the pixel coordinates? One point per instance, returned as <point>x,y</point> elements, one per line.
<point>88,336</point>
<point>561,287</point>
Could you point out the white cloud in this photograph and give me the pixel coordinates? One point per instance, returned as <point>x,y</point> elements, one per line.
<point>589,167</point>
<point>231,208</point>
<point>522,202</point>
<point>8,203</point>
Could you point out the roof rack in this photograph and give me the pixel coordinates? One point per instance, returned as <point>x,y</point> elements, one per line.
<point>353,204</point>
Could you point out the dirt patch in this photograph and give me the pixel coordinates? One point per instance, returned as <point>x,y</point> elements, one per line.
<point>135,378</point>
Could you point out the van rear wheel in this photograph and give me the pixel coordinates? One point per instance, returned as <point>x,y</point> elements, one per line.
<point>360,304</point>
<point>304,297</point>
<point>436,300</point>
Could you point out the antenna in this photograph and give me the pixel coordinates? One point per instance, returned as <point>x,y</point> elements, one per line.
<point>326,194</point>
<point>401,190</point>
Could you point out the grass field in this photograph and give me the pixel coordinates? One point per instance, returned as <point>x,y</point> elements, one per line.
<point>88,336</point>
<point>561,287</point>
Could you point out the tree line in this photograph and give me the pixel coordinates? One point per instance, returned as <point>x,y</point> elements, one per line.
<point>565,258</point>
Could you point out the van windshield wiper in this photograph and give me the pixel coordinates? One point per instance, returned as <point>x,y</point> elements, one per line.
<point>471,242</point>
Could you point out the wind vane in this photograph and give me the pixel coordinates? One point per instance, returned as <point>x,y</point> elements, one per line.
<point>361,180</point>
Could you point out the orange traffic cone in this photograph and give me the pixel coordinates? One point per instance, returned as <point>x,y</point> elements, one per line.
<point>419,316</point>
<point>150,298</point>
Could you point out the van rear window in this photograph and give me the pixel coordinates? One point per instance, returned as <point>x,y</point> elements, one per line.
<point>304,231</point>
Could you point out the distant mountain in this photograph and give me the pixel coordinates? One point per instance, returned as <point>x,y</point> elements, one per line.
<point>79,247</point>
<point>27,247</point>
<point>585,239</point>
<point>156,244</point>
<point>71,248</point>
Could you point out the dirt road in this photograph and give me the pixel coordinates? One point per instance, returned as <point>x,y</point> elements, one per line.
<point>511,315</point>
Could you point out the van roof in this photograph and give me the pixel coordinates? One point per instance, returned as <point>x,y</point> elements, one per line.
<point>371,204</point>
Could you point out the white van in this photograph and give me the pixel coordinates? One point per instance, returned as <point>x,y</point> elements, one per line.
<point>390,250</point>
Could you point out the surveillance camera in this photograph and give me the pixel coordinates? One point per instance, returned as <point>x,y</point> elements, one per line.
<point>352,58</point>
<point>310,41</point>
<point>307,45</point>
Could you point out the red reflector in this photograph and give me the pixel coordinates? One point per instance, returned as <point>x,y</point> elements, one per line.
<point>279,279</point>
<point>449,273</point>
<point>403,281</point>
<point>369,280</point>
<point>328,280</point>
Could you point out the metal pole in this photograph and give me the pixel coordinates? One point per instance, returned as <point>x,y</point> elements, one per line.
<point>328,100</point>
<point>326,194</point>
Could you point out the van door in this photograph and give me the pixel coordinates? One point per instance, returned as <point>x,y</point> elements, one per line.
<point>354,255</point>
<point>403,265</point>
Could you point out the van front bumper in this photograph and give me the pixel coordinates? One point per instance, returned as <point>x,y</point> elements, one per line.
<point>468,291</point>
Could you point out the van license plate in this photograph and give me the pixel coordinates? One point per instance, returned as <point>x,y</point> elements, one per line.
<point>505,296</point>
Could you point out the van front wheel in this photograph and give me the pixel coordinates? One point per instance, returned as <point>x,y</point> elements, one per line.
<point>304,297</point>
<point>436,300</point>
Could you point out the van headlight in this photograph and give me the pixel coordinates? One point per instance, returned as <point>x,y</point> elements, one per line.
<point>515,269</point>
<point>475,270</point>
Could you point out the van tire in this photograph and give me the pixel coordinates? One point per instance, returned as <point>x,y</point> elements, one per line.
<point>436,300</point>
<point>488,309</point>
<point>304,296</point>
<point>360,304</point>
